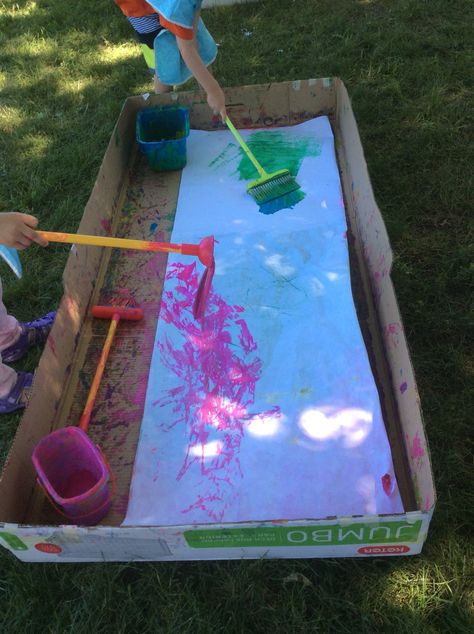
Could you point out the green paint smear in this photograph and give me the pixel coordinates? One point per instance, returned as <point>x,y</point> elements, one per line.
<point>275,151</point>
<point>228,154</point>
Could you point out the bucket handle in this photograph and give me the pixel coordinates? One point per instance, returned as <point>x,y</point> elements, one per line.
<point>113,480</point>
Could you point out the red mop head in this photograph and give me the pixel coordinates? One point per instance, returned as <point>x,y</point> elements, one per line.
<point>203,291</point>
<point>204,250</point>
<point>107,312</point>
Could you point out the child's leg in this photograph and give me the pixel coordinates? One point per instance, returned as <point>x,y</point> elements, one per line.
<point>158,87</point>
<point>147,28</point>
<point>15,340</point>
<point>10,331</point>
<point>8,378</point>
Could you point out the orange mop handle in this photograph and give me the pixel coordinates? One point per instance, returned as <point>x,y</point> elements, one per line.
<point>120,243</point>
<point>86,415</point>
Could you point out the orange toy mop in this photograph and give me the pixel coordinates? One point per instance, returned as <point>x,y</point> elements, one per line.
<point>71,469</point>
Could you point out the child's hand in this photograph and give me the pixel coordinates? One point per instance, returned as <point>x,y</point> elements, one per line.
<point>215,95</point>
<point>216,101</point>
<point>17,230</point>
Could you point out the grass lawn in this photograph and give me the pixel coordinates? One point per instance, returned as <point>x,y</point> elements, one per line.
<point>65,69</point>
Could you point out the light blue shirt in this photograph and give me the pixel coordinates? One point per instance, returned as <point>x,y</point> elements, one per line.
<point>169,65</point>
<point>180,12</point>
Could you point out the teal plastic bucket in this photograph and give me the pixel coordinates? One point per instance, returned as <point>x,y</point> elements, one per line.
<point>161,134</point>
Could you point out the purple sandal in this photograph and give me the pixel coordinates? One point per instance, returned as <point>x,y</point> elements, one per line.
<point>14,401</point>
<point>32,333</point>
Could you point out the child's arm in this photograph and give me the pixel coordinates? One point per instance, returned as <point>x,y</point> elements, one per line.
<point>192,59</point>
<point>17,230</point>
<point>215,95</point>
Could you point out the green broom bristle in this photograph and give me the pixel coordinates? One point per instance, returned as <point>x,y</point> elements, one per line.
<point>278,184</point>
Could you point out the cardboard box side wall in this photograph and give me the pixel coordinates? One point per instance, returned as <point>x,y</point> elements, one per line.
<point>350,158</point>
<point>252,106</point>
<point>341,537</point>
<point>377,254</point>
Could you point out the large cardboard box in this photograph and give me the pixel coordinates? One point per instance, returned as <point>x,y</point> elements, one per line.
<point>123,202</point>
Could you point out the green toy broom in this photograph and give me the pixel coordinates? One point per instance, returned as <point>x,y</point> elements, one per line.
<point>268,186</point>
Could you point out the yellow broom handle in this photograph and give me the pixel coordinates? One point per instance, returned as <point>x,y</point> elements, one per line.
<point>120,243</point>
<point>245,147</point>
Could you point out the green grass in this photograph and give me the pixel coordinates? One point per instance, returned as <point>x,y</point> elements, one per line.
<point>409,67</point>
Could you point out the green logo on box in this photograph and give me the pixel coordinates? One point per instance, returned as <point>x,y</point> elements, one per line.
<point>326,535</point>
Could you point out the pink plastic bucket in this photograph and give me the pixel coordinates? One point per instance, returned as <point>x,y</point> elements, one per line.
<point>74,475</point>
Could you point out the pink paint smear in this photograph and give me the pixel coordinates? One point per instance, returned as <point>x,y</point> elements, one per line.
<point>417,450</point>
<point>388,484</point>
<point>217,370</point>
